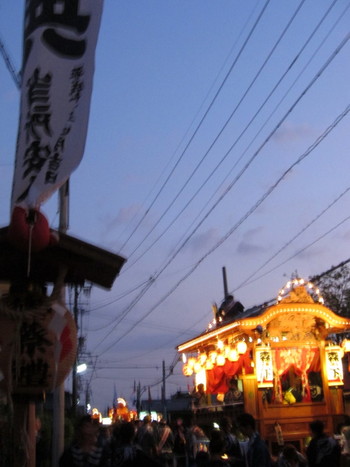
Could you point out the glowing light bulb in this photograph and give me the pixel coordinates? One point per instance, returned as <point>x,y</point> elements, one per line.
<point>242,347</point>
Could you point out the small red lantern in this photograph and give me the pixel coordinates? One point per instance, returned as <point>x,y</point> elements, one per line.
<point>29,229</point>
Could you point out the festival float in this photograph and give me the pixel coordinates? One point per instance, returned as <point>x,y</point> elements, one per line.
<point>287,359</point>
<point>121,412</point>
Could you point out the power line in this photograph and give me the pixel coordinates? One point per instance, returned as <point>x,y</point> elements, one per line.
<point>126,311</point>
<point>129,367</point>
<point>197,129</point>
<point>288,69</point>
<point>250,279</point>
<point>333,268</point>
<point>189,127</point>
<point>256,153</point>
<point>277,106</point>
<point>305,247</point>
<point>223,127</point>
<point>120,297</point>
<point>229,233</point>
<point>11,68</point>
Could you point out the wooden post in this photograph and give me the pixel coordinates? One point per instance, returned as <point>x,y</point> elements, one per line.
<point>19,455</point>
<point>250,392</point>
<point>31,424</point>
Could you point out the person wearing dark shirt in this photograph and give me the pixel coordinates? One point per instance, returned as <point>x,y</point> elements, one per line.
<point>165,445</point>
<point>85,450</point>
<point>233,394</point>
<point>257,453</point>
<point>217,446</point>
<point>124,452</point>
<point>232,447</point>
<point>291,457</point>
<point>199,397</point>
<point>180,443</point>
<point>146,437</point>
<point>322,451</point>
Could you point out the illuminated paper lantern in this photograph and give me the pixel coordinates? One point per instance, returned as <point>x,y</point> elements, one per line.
<point>202,358</point>
<point>209,365</point>
<point>191,361</point>
<point>187,370</point>
<point>264,368</point>
<point>38,347</point>
<point>220,345</point>
<point>233,356</point>
<point>213,355</point>
<point>334,366</point>
<point>197,367</point>
<point>346,345</point>
<point>220,360</point>
<point>201,378</point>
<point>241,347</point>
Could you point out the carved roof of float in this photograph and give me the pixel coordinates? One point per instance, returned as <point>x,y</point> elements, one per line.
<point>296,317</point>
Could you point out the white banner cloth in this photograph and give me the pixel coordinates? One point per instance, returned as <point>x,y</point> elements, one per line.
<point>58,64</point>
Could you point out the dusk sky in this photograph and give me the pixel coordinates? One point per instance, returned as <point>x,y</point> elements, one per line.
<point>218,137</point>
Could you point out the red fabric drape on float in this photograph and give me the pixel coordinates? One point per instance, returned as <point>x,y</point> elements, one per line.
<point>303,361</point>
<point>217,377</point>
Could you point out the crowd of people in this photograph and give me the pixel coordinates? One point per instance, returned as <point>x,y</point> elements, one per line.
<point>148,443</point>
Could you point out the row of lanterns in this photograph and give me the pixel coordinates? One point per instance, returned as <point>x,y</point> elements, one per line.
<point>207,361</point>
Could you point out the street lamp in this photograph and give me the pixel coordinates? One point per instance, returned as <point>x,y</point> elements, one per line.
<point>81,368</point>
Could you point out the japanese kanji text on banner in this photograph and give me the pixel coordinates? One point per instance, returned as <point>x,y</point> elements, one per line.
<point>58,65</point>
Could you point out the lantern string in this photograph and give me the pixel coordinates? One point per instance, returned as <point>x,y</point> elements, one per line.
<point>31,221</point>
<point>29,250</point>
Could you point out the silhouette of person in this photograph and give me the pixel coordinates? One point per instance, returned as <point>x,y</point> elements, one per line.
<point>257,453</point>
<point>322,451</point>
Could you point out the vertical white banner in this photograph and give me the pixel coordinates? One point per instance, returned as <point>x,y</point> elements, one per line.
<point>60,39</point>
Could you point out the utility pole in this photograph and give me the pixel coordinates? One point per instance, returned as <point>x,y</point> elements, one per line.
<point>138,399</point>
<point>74,370</point>
<point>87,396</point>
<point>164,394</point>
<point>58,395</point>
